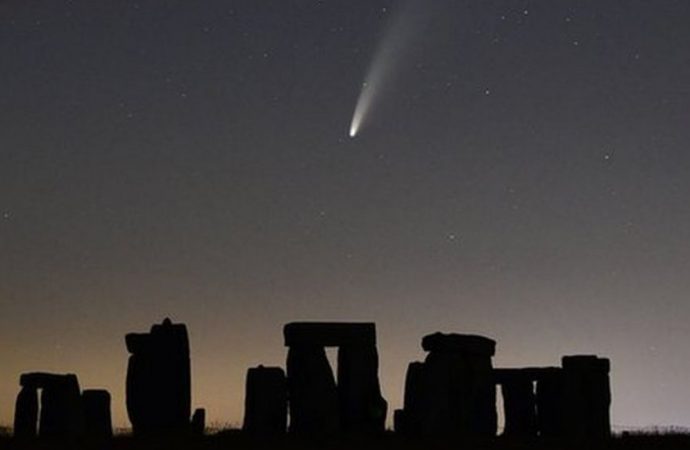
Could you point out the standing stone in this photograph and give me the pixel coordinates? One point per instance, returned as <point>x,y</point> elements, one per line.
<point>312,392</point>
<point>586,396</point>
<point>440,388</point>
<point>399,421</point>
<point>362,408</point>
<point>26,413</point>
<point>159,379</point>
<point>265,401</point>
<point>519,403</point>
<point>459,384</point>
<point>550,403</point>
<point>97,418</point>
<point>411,417</point>
<point>199,422</point>
<point>453,392</point>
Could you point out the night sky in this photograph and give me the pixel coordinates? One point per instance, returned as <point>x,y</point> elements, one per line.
<point>523,174</point>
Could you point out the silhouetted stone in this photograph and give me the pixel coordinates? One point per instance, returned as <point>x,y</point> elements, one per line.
<point>312,393</point>
<point>317,405</point>
<point>330,334</point>
<point>159,379</point>
<point>549,394</point>
<point>463,364</point>
<point>40,380</point>
<point>415,411</point>
<point>425,403</point>
<point>97,418</point>
<point>61,407</point>
<point>519,402</point>
<point>399,421</point>
<point>465,344</point>
<point>265,402</point>
<point>453,392</point>
<point>533,400</point>
<point>199,422</point>
<point>26,413</point>
<point>586,396</point>
<point>362,408</point>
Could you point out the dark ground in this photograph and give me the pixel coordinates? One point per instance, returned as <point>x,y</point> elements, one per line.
<point>234,440</point>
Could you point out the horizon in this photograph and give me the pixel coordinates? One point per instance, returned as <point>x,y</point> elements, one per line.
<point>519,171</point>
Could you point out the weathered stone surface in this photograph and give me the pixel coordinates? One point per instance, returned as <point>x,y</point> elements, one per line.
<point>312,392</point>
<point>61,413</point>
<point>199,422</point>
<point>26,413</point>
<point>466,344</point>
<point>265,401</point>
<point>586,396</point>
<point>362,408</point>
<point>329,334</point>
<point>98,422</point>
<point>159,379</point>
<point>519,403</point>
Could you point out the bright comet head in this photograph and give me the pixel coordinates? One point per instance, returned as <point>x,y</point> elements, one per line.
<point>360,112</point>
<point>353,130</point>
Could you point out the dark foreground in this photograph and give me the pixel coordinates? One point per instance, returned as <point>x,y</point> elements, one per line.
<point>237,441</point>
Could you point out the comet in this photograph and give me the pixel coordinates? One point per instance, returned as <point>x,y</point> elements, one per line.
<point>386,61</point>
<point>363,105</point>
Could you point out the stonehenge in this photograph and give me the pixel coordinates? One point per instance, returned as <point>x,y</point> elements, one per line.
<point>158,387</point>
<point>452,393</point>
<point>63,410</point>
<point>318,405</point>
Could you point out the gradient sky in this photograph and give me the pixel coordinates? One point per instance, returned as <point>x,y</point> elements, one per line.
<point>524,176</point>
